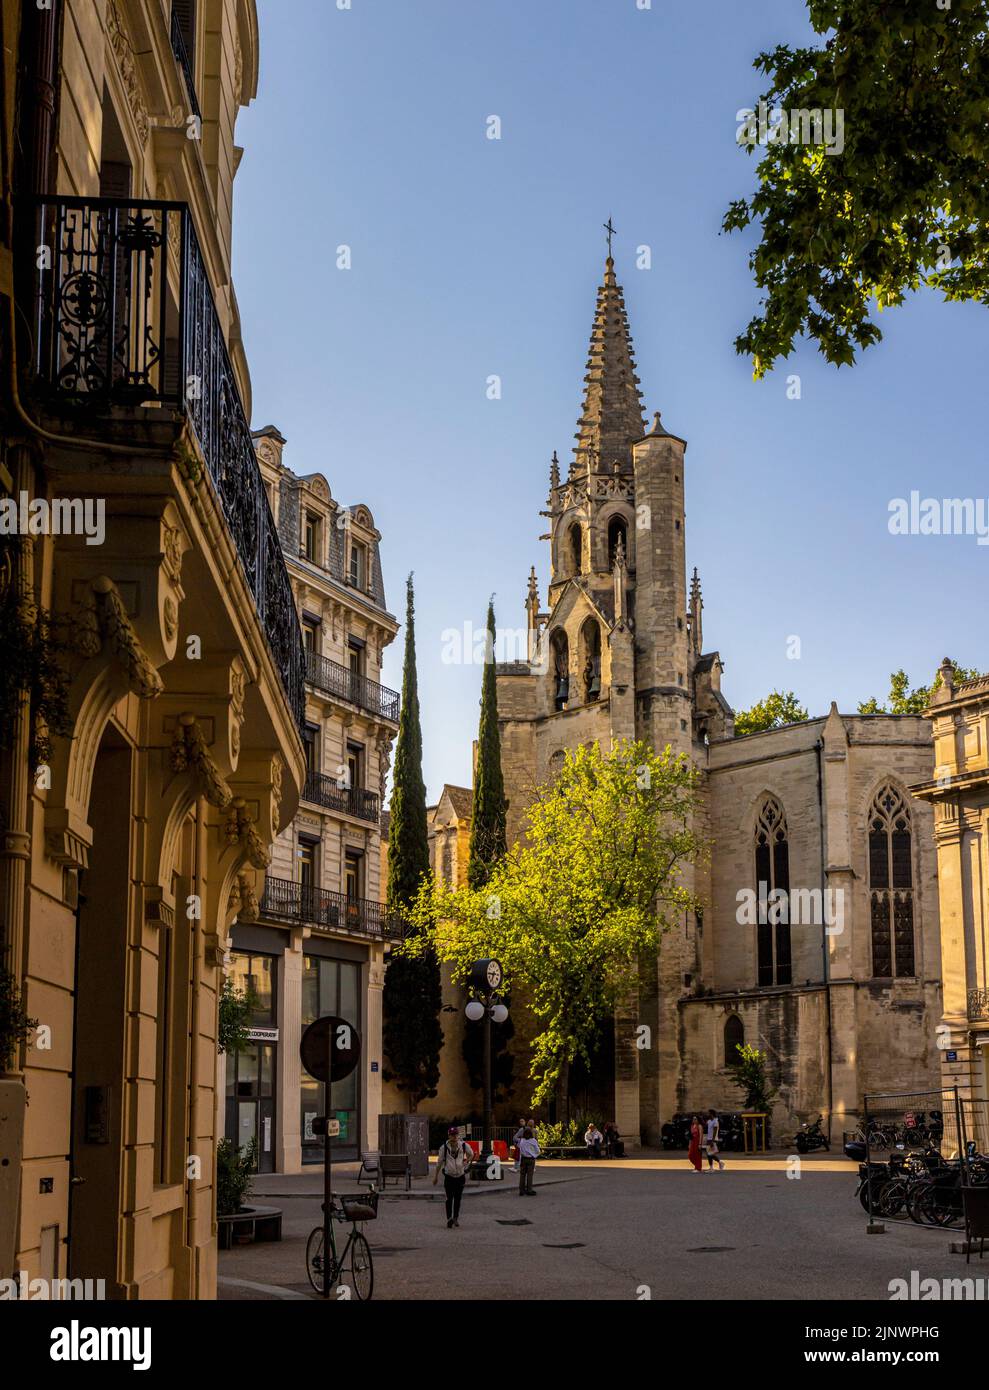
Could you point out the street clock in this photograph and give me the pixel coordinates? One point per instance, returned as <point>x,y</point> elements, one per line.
<point>486,975</point>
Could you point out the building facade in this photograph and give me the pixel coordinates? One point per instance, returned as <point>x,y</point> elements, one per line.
<point>959,794</point>
<point>316,944</point>
<point>152,743</point>
<point>841,1005</point>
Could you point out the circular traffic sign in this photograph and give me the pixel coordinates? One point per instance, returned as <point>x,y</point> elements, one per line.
<point>330,1048</point>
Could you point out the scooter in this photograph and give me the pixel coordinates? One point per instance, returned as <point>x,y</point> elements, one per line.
<point>812,1137</point>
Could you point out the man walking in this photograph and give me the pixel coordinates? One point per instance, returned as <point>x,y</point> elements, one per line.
<point>453,1160</point>
<point>711,1134</point>
<point>528,1153</point>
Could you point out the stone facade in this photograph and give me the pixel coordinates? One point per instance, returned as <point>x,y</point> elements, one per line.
<point>130,847</point>
<point>959,795</point>
<point>618,653</point>
<point>319,935</point>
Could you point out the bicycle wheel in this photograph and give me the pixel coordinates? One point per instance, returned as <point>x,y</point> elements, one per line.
<point>915,1194</point>
<point>361,1267</point>
<point>892,1195</point>
<point>314,1259</point>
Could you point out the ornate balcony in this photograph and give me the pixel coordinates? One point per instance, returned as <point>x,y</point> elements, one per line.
<point>327,911</point>
<point>353,801</point>
<point>182,58</point>
<point>978,1003</point>
<point>334,679</point>
<point>124,318</point>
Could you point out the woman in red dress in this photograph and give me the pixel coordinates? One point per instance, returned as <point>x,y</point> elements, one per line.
<point>694,1151</point>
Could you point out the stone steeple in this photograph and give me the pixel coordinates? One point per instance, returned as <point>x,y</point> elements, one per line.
<point>612,412</point>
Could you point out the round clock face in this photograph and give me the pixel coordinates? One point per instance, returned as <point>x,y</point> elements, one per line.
<point>493,974</point>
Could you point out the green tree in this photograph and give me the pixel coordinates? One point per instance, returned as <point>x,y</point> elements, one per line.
<point>234,1024</point>
<point>903,700</point>
<point>569,911</point>
<point>488,842</point>
<point>778,708</point>
<point>488,845</point>
<point>749,1074</point>
<point>899,203</point>
<point>412,1035</point>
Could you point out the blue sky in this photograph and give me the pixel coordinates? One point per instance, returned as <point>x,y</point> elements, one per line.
<point>474,257</point>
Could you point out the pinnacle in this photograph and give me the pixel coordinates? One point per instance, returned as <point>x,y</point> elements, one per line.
<point>611,416</point>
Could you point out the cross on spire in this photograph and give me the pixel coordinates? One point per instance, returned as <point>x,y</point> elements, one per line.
<point>611,232</point>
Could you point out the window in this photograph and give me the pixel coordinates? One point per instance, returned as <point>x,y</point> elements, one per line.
<point>358,565</point>
<point>772,872</point>
<point>891,885</point>
<point>306,855</point>
<point>309,736</point>
<point>590,641</point>
<point>576,539</point>
<point>355,662</point>
<point>355,765</point>
<point>734,1038</point>
<point>617,533</point>
<point>330,987</point>
<point>353,864</point>
<point>560,668</point>
<point>312,547</point>
<point>310,635</point>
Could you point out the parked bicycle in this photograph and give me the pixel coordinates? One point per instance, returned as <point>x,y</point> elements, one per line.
<point>355,1259</point>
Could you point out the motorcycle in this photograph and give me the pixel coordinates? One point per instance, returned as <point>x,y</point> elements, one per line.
<point>811,1137</point>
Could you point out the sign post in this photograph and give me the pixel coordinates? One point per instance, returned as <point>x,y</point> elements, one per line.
<point>330,1050</point>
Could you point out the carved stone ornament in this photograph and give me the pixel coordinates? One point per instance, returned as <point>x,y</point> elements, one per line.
<point>189,752</point>
<point>102,618</point>
<point>241,830</point>
<point>243,899</point>
<point>120,44</point>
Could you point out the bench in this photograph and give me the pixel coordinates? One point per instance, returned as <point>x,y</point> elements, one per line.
<point>395,1166</point>
<point>249,1224</point>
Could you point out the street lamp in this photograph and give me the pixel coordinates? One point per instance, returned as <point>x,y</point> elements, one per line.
<point>485,978</point>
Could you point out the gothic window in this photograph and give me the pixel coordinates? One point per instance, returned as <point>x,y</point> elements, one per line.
<point>559,668</point>
<point>734,1038</point>
<point>891,885</point>
<point>575,537</point>
<point>590,669</point>
<point>772,872</point>
<point>617,530</point>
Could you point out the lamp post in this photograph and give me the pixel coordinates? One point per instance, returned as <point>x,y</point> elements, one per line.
<point>485,978</point>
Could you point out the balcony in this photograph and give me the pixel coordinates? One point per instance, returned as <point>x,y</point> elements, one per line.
<point>353,801</point>
<point>124,319</point>
<point>978,1004</point>
<point>318,907</point>
<point>182,58</point>
<point>334,679</point>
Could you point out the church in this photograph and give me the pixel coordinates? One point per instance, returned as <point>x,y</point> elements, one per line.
<point>843,996</point>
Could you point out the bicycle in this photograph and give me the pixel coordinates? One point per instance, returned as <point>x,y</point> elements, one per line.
<point>352,1207</point>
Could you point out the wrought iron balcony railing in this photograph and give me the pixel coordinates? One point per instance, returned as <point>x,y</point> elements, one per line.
<point>354,801</point>
<point>348,685</point>
<point>124,317</point>
<point>978,1003</point>
<point>318,907</point>
<point>183,60</point>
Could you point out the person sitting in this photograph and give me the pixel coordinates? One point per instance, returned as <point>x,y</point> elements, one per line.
<point>611,1139</point>
<point>593,1138</point>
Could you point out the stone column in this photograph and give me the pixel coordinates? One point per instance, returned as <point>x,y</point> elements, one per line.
<point>288,1137</point>
<point>371,1080</point>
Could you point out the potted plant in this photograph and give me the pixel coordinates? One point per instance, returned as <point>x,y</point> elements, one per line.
<point>234,1175</point>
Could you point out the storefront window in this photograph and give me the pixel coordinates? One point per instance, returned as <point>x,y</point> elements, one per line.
<point>330,987</point>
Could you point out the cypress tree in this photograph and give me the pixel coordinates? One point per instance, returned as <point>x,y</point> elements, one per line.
<point>411,998</point>
<point>488,844</point>
<point>488,841</point>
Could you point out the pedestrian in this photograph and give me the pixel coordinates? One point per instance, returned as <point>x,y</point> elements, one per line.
<point>711,1141</point>
<point>611,1137</point>
<point>517,1139</point>
<point>593,1138</point>
<point>453,1160</point>
<point>528,1153</point>
<point>694,1151</point>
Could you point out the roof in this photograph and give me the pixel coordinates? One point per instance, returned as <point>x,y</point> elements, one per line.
<point>462,800</point>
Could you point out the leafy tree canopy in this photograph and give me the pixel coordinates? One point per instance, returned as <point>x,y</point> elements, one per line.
<point>903,700</point>
<point>778,708</point>
<point>901,201</point>
<point>569,911</point>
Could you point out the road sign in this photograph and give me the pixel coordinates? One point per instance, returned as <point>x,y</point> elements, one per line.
<point>330,1037</point>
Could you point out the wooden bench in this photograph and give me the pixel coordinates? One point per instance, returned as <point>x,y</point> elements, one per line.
<point>395,1166</point>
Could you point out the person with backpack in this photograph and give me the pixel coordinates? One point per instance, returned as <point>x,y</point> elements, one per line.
<point>453,1160</point>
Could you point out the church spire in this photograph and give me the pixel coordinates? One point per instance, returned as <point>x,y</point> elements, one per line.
<point>612,413</point>
<point>696,610</point>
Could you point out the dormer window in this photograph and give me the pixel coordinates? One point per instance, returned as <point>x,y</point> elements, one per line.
<point>313,539</point>
<point>358,565</point>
